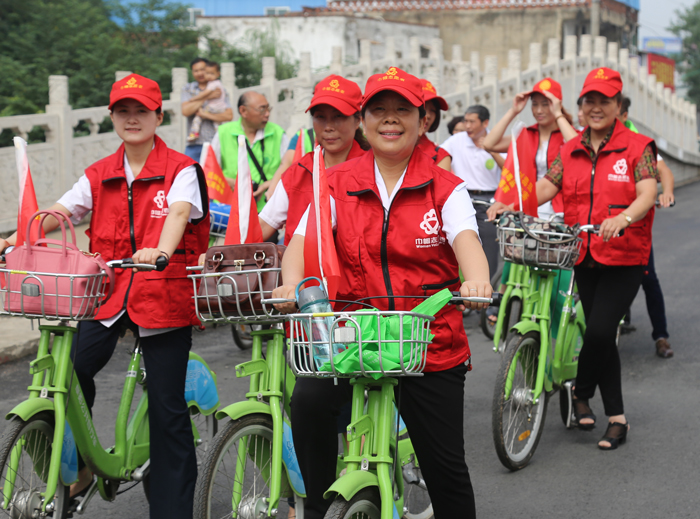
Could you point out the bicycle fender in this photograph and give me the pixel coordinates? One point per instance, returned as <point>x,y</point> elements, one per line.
<point>351,483</point>
<point>239,409</point>
<point>524,327</point>
<point>30,407</point>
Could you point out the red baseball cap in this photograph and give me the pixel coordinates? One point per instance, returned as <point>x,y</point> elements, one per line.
<point>429,93</point>
<point>548,85</point>
<point>604,80</point>
<point>139,88</point>
<point>338,92</point>
<point>397,81</point>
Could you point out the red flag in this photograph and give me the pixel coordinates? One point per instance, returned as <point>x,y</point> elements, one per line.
<point>217,187</point>
<point>243,224</point>
<point>27,195</point>
<point>320,257</point>
<point>511,187</point>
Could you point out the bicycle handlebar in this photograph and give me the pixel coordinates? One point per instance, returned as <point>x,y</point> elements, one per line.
<point>128,263</point>
<point>658,204</point>
<point>495,299</point>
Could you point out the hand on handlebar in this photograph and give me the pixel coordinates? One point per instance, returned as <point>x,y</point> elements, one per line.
<point>475,289</point>
<point>496,209</point>
<point>612,227</point>
<point>666,200</point>
<point>149,257</point>
<point>285,292</point>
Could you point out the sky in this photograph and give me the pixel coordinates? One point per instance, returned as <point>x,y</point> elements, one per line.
<point>656,15</point>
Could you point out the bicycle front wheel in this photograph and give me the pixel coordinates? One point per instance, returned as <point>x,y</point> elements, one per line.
<point>518,422</point>
<point>25,458</point>
<point>234,478</point>
<point>366,504</point>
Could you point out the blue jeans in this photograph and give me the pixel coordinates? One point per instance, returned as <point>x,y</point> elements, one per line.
<point>194,151</point>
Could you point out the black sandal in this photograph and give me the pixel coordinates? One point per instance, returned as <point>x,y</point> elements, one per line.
<point>616,435</point>
<point>582,411</point>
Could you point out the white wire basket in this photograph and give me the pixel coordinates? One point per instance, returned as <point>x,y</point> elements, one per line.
<point>51,296</point>
<point>401,354</point>
<point>236,296</point>
<point>547,251</point>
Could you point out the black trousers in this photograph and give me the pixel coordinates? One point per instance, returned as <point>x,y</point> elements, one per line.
<point>656,308</point>
<point>606,294</point>
<point>173,470</point>
<point>432,406</point>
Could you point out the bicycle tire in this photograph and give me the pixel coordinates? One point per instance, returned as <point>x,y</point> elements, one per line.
<point>564,406</point>
<point>487,327</point>
<point>366,504</point>
<point>241,336</point>
<point>416,499</point>
<point>517,418</point>
<point>213,494</point>
<point>514,312</point>
<point>37,434</point>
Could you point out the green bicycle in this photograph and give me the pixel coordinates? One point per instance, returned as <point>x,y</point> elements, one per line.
<point>39,449</point>
<point>531,370</point>
<point>251,469</point>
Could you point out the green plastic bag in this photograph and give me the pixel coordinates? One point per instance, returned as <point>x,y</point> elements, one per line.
<point>348,361</point>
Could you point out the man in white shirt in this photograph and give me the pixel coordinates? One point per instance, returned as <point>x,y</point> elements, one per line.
<point>481,172</point>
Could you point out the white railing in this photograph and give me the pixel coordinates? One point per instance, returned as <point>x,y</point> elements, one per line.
<point>58,162</point>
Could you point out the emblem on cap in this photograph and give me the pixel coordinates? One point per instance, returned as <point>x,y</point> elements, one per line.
<point>429,86</point>
<point>545,84</point>
<point>391,74</point>
<point>131,83</point>
<point>600,74</point>
<point>392,71</point>
<point>334,83</point>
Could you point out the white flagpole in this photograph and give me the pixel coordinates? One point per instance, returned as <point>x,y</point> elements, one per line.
<point>515,132</point>
<point>318,156</point>
<point>244,188</point>
<point>203,154</point>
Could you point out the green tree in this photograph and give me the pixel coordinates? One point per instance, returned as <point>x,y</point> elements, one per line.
<point>687,27</point>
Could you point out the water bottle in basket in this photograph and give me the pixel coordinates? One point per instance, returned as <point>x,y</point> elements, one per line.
<point>314,300</point>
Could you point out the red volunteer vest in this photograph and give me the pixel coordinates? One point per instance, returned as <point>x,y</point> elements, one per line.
<point>432,150</point>
<point>554,146</point>
<point>595,191</point>
<point>125,220</point>
<point>403,253</point>
<point>298,183</point>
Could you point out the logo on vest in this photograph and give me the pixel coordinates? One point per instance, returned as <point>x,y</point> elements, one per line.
<point>620,169</point>
<point>430,225</point>
<point>159,200</point>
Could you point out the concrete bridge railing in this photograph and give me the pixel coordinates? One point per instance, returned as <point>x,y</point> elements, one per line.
<point>656,111</point>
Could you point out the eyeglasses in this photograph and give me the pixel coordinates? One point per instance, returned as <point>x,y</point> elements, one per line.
<point>262,110</point>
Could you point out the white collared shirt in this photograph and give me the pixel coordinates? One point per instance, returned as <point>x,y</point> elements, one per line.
<point>475,166</point>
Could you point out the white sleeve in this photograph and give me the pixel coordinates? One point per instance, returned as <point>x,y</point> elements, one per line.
<point>185,188</point>
<point>448,145</point>
<point>284,145</point>
<point>277,207</point>
<point>659,158</point>
<point>78,200</point>
<point>458,213</point>
<point>301,228</point>
<point>216,146</point>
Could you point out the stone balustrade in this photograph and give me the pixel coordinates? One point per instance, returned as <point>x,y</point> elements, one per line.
<point>58,162</point>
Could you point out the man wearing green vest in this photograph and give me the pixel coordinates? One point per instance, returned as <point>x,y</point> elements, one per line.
<point>266,142</point>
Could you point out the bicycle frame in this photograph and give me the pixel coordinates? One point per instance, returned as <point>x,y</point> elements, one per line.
<point>516,286</point>
<point>271,386</point>
<point>371,464</point>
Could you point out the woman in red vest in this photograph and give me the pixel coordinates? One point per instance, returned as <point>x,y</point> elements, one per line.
<point>403,227</point>
<point>335,110</point>
<point>147,201</point>
<point>546,137</point>
<point>607,177</point>
<point>433,104</point>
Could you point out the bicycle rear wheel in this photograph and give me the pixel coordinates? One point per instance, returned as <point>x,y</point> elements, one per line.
<point>416,500</point>
<point>237,467</point>
<point>25,456</point>
<point>366,504</point>
<point>516,421</point>
<point>241,336</point>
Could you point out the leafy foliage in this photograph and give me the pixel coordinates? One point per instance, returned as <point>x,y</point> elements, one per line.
<point>687,27</point>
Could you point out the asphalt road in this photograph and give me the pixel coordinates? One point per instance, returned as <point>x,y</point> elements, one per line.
<point>654,475</point>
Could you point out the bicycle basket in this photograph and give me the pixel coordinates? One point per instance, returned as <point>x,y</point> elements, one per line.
<point>364,343</point>
<point>50,296</point>
<point>236,297</point>
<point>535,242</point>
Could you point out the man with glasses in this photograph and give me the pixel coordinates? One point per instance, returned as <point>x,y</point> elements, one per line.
<point>480,170</point>
<point>266,142</point>
<point>194,98</point>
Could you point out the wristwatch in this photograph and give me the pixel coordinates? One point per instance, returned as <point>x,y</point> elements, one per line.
<point>627,217</point>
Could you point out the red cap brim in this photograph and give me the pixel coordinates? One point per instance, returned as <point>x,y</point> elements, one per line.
<point>404,92</point>
<point>606,89</point>
<point>441,102</point>
<point>144,100</point>
<point>341,105</point>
